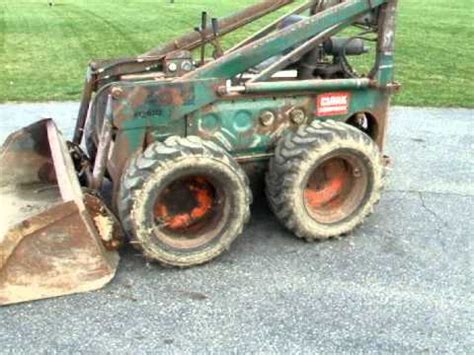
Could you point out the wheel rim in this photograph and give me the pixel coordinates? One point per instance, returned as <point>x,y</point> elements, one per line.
<point>188,211</point>
<point>336,188</point>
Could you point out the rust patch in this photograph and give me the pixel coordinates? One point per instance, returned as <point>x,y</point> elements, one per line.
<point>137,96</point>
<point>49,245</point>
<point>170,96</point>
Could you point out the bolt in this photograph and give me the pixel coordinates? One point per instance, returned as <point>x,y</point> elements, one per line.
<point>267,118</point>
<point>172,67</point>
<point>298,116</point>
<point>357,173</point>
<point>186,65</point>
<point>117,93</point>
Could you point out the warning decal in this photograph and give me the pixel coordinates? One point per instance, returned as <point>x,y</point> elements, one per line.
<point>333,104</point>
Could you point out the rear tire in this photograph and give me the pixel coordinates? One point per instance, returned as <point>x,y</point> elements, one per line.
<point>184,201</point>
<point>324,180</point>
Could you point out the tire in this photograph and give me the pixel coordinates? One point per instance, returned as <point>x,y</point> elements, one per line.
<point>324,180</point>
<point>183,202</point>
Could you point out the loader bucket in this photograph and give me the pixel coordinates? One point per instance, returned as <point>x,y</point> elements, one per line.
<point>54,238</point>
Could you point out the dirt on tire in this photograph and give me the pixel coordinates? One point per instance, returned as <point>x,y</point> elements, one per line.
<point>300,153</point>
<point>151,174</point>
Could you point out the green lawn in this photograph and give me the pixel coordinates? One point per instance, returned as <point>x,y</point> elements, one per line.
<point>44,50</point>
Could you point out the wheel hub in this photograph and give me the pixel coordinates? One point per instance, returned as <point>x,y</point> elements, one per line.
<point>335,189</point>
<point>185,202</point>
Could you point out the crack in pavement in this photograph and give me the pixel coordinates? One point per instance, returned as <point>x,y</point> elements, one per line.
<point>440,222</point>
<point>437,193</point>
<point>437,218</point>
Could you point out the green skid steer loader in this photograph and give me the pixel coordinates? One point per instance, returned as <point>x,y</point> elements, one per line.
<point>178,136</point>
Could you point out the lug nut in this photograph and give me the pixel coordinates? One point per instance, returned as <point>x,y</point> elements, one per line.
<point>186,65</point>
<point>117,93</point>
<point>298,116</point>
<point>172,67</point>
<point>267,118</point>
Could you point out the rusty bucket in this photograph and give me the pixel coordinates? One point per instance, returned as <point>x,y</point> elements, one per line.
<point>55,239</point>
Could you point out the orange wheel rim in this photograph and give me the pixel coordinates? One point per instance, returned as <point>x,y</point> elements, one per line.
<point>185,203</point>
<point>323,191</point>
<point>335,189</point>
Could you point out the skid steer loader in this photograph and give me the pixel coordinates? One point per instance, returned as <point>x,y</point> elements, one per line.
<point>177,135</point>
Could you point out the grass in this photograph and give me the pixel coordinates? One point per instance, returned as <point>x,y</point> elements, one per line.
<point>44,50</point>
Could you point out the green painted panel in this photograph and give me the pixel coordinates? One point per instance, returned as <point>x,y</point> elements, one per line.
<point>237,126</point>
<point>148,104</point>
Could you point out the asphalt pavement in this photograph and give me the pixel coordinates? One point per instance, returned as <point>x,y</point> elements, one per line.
<point>400,283</point>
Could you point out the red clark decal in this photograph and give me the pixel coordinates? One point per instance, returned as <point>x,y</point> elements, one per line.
<point>333,104</point>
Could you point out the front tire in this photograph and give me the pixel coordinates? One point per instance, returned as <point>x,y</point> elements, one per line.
<point>184,201</point>
<point>324,180</point>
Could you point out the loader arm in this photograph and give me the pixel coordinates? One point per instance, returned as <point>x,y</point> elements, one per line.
<point>228,24</point>
<point>256,52</point>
